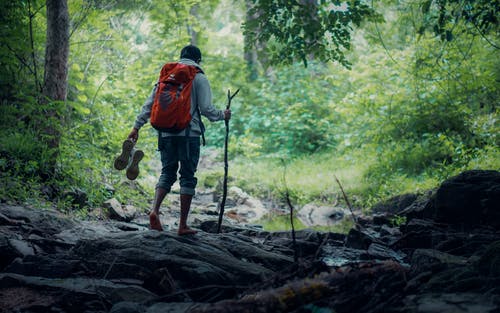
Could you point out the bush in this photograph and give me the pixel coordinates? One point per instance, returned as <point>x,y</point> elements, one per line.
<point>287,114</point>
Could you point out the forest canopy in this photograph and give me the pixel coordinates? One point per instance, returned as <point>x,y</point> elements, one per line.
<point>389,96</point>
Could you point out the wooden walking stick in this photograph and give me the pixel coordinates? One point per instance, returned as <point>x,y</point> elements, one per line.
<point>224,184</point>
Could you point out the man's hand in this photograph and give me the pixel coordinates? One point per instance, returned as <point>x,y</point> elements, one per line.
<point>227,115</point>
<point>134,135</point>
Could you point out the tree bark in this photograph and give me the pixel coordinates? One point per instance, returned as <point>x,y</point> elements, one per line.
<point>193,33</point>
<point>56,73</point>
<point>56,50</point>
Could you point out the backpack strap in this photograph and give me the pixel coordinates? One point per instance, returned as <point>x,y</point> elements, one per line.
<point>197,109</point>
<point>202,126</point>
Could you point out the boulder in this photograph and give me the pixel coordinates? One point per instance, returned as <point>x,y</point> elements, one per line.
<point>395,204</point>
<point>361,239</point>
<point>423,259</point>
<point>243,207</point>
<point>44,222</point>
<point>118,212</point>
<point>468,199</point>
<point>313,215</point>
<point>78,289</point>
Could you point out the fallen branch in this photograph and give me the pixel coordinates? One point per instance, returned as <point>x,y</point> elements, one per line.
<point>347,201</point>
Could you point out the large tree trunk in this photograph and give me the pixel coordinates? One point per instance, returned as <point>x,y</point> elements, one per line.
<point>56,73</point>
<point>56,50</point>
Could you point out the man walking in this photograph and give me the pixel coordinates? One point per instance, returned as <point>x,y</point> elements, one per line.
<point>181,148</point>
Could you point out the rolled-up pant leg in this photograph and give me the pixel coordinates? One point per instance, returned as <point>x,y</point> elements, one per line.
<point>169,161</point>
<point>189,165</point>
<point>177,150</point>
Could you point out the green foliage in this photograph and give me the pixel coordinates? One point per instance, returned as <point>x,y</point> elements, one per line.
<point>211,179</point>
<point>20,48</point>
<point>295,30</point>
<point>225,74</point>
<point>398,220</point>
<point>23,154</point>
<point>442,16</point>
<point>309,178</point>
<point>285,116</point>
<point>280,222</point>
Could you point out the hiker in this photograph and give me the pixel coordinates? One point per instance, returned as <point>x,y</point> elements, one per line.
<point>181,148</point>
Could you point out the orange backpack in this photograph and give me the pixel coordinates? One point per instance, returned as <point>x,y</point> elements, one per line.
<point>171,110</point>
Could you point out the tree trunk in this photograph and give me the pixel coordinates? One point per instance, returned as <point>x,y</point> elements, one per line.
<point>251,55</point>
<point>56,50</point>
<point>56,73</point>
<point>193,33</point>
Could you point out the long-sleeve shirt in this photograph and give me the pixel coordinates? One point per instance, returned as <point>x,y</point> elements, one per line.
<point>201,97</point>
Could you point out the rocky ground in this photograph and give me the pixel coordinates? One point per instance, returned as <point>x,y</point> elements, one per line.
<point>438,252</point>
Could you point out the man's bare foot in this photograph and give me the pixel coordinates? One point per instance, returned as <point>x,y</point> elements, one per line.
<point>154,222</point>
<point>186,231</point>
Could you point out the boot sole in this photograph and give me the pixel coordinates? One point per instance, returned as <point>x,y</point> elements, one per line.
<point>133,169</point>
<point>121,161</point>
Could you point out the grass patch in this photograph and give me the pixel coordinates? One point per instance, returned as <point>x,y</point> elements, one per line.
<point>309,179</point>
<point>281,222</point>
<point>272,222</point>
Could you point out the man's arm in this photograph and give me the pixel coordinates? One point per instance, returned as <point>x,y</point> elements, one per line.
<point>204,100</point>
<point>143,117</point>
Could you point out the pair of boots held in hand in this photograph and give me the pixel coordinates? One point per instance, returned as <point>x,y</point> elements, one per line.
<point>154,218</point>
<point>129,158</point>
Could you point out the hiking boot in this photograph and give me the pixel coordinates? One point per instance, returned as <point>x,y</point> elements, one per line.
<point>122,160</point>
<point>133,168</point>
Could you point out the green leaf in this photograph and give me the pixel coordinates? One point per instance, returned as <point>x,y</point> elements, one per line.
<point>426,6</point>
<point>82,97</point>
<point>80,108</point>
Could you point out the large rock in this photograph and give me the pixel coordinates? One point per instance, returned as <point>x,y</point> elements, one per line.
<point>43,222</point>
<point>122,258</point>
<point>314,215</point>
<point>70,294</point>
<point>395,204</point>
<point>243,207</point>
<point>191,261</point>
<point>119,212</point>
<point>471,198</point>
